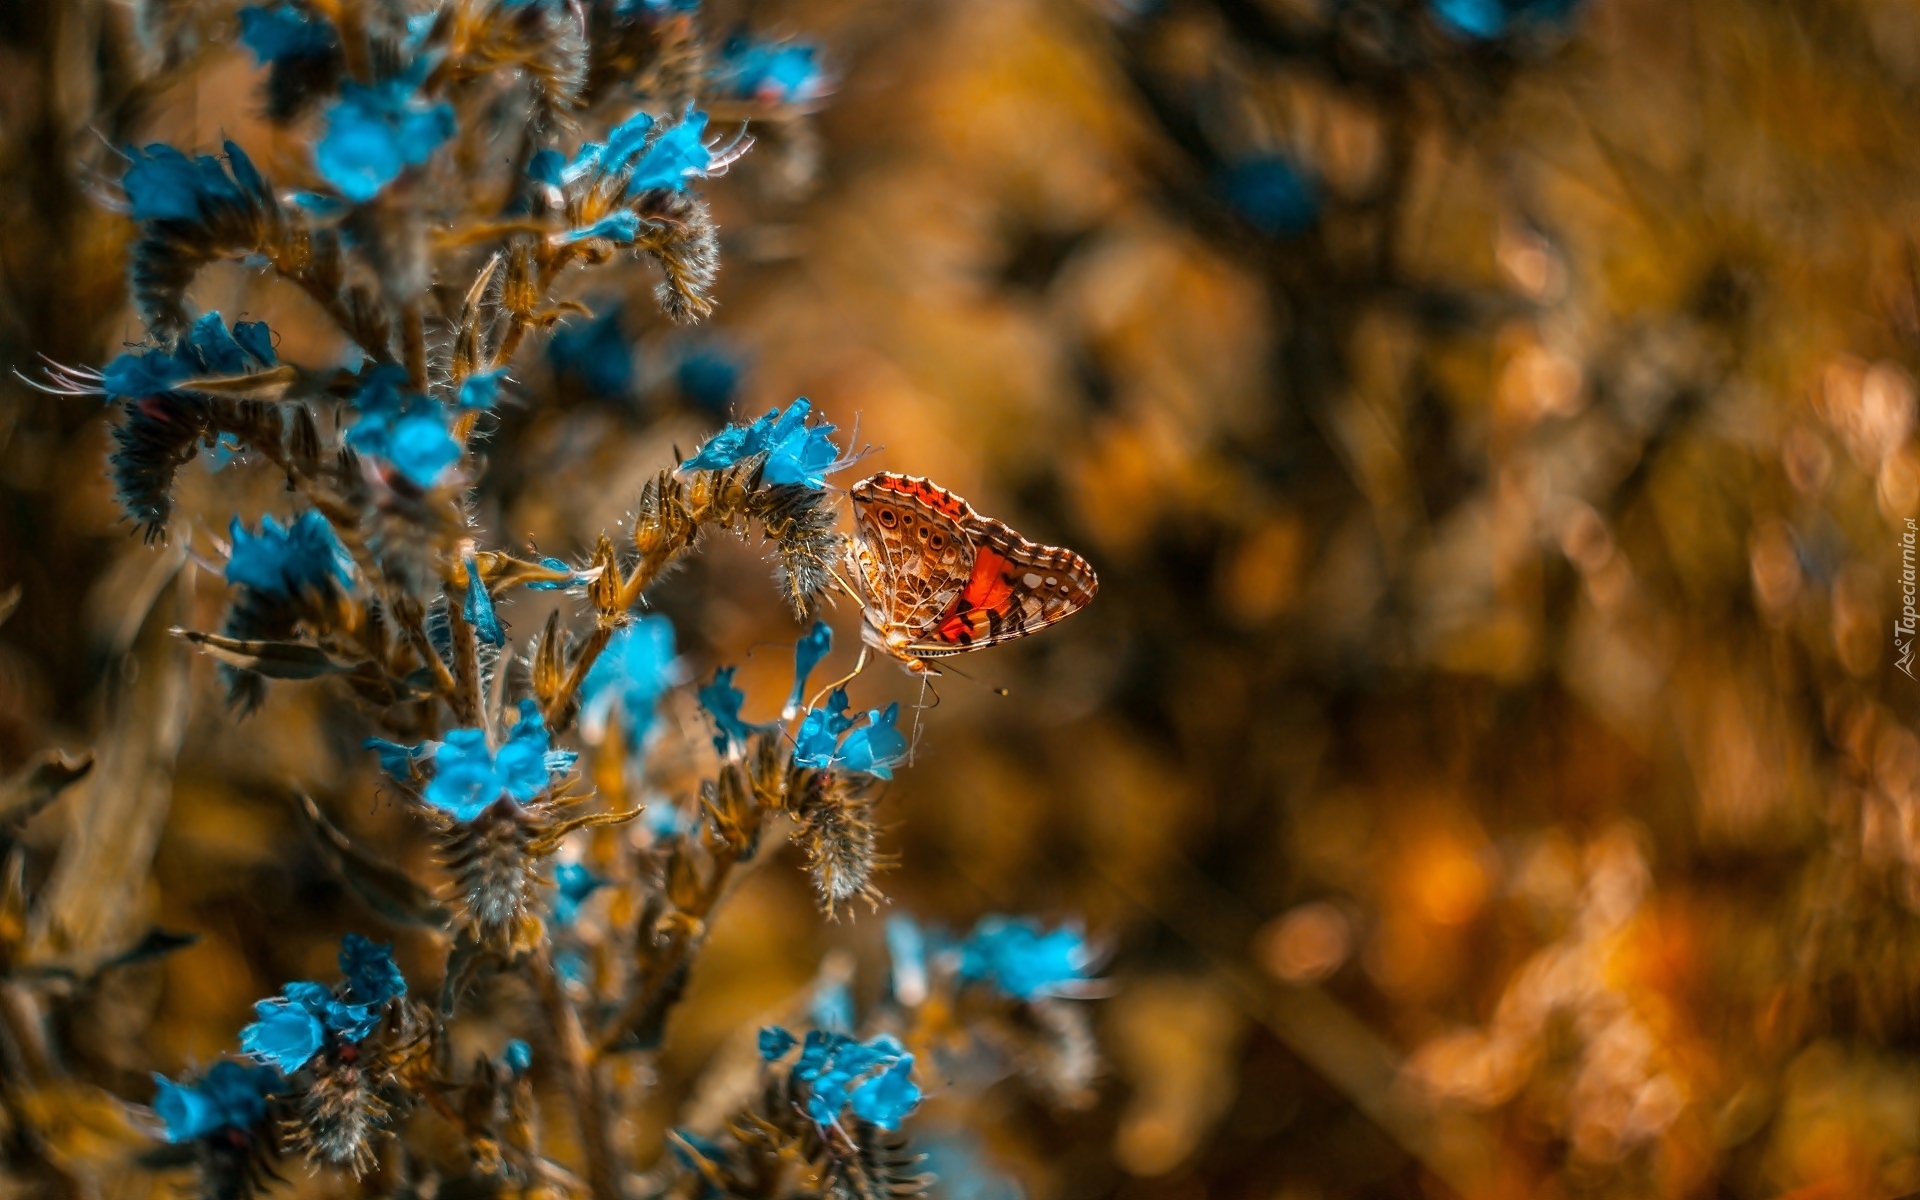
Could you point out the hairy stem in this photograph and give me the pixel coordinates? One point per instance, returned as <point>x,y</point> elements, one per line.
<point>583,1085</point>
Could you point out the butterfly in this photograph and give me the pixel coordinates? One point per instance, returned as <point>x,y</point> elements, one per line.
<point>941,579</point>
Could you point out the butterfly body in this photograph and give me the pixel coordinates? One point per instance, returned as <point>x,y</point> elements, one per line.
<point>941,579</point>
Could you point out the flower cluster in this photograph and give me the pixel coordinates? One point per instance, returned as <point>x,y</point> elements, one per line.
<point>296,1025</point>
<point>230,1096</point>
<point>795,453</point>
<point>872,1079</point>
<point>465,776</point>
<point>288,561</point>
<point>402,429</point>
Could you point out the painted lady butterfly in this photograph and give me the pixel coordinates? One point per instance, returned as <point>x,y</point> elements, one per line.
<point>941,579</point>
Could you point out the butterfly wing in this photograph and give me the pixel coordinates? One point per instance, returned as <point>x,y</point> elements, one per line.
<point>946,580</point>
<point>1016,587</point>
<point>914,557</point>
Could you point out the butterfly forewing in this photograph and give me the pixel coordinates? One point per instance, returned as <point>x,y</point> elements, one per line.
<point>944,580</point>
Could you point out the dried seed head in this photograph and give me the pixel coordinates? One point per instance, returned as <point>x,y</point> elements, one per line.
<point>837,836</point>
<point>336,1116</point>
<point>494,869</point>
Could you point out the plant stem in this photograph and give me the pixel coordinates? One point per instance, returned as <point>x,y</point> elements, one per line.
<point>583,1085</point>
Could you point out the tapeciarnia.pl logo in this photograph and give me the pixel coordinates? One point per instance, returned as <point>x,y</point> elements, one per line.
<point>1909,619</point>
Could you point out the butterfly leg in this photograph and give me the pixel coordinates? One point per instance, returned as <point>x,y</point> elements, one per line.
<point>859,665</point>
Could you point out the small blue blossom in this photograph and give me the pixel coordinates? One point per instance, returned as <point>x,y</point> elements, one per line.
<point>284,1034</point>
<point>284,31</point>
<point>554,585</point>
<point>1272,193</point>
<point>887,1099</point>
<point>372,976</point>
<point>769,72</point>
<point>287,561</point>
<point>669,161</point>
<point>480,390</point>
<point>230,1095</point>
<point>832,1008</point>
<point>907,948</point>
<point>208,349</point>
<point>478,609</point>
<point>518,1057</point>
<point>163,184</point>
<point>722,701</point>
<point>404,429</point>
<point>796,454</point>
<point>398,760</point>
<point>596,354</point>
<point>876,747</point>
<point>1017,956</point>
<point>622,226</point>
<point>468,777</point>
<point>874,1076</point>
<point>572,884</point>
<point>630,674</point>
<point>817,744</point>
<point>708,377</point>
<point>775,1042</point>
<point>1483,20</point>
<point>807,653</point>
<point>374,133</point>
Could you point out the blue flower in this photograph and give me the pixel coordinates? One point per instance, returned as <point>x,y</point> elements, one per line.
<point>478,609</point>
<point>372,976</point>
<point>230,1095</point>
<point>554,585</point>
<point>404,429</point>
<point>518,1057</point>
<point>876,747</point>
<point>291,560</point>
<point>163,184</point>
<point>468,777</point>
<point>1017,956</point>
<point>285,1034</point>
<point>708,377</point>
<point>572,884</point>
<point>886,1099</point>
<point>722,701</point>
<point>796,454</point>
<point>832,1008</point>
<point>622,226</point>
<point>398,760</point>
<point>480,390</point>
<point>817,744</point>
<point>1273,194</point>
<point>673,157</point>
<point>284,31</point>
<point>631,673</point>
<point>875,1077</point>
<point>770,72</point>
<point>596,354</point>
<point>907,947</point>
<point>208,349</point>
<point>807,653</point>
<point>351,1021</point>
<point>774,1043</point>
<point>1483,20</point>
<point>374,133</point>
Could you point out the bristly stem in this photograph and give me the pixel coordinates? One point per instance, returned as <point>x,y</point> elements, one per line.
<point>664,970</point>
<point>583,1084</point>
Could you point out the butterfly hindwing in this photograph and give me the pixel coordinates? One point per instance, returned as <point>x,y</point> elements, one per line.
<point>944,580</point>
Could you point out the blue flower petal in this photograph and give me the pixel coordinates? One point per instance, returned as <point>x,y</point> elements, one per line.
<point>478,608</point>
<point>887,1099</point>
<point>372,976</point>
<point>1020,958</point>
<point>807,653</point>
<point>285,1034</point>
<point>289,561</point>
<point>876,747</point>
<point>480,390</point>
<point>722,701</point>
<point>775,1042</point>
<point>464,784</point>
<point>374,133</point>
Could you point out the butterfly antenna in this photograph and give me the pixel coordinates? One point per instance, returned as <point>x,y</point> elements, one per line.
<point>951,669</point>
<point>859,665</point>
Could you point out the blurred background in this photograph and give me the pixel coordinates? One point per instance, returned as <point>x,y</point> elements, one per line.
<point>1488,765</point>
